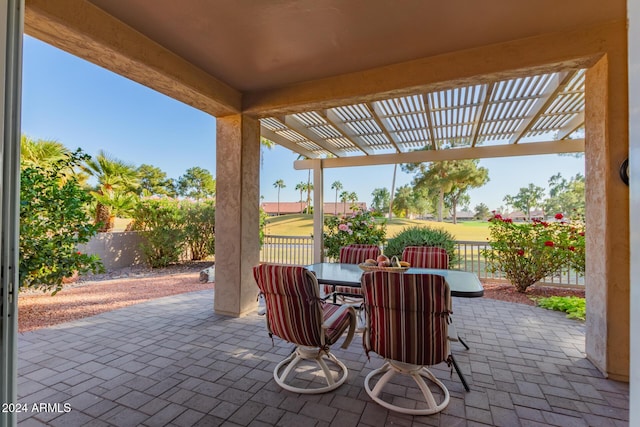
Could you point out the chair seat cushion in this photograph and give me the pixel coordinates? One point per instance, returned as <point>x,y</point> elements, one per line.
<point>338,326</point>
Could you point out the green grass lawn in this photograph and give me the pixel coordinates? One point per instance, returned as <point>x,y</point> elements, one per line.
<point>302,225</point>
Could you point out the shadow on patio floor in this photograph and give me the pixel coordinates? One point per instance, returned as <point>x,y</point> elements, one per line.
<point>173,361</point>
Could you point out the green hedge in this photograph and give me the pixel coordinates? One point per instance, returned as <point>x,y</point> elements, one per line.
<point>422,236</point>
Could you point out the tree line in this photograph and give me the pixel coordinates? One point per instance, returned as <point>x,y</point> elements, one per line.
<point>119,183</point>
<point>443,186</point>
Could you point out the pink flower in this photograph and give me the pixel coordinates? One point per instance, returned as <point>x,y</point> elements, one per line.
<point>548,243</point>
<point>343,227</point>
<point>559,216</point>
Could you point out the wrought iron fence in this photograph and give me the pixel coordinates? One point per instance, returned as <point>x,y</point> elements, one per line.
<point>471,258</point>
<point>299,250</point>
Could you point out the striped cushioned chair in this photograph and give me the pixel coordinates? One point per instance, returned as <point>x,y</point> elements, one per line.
<point>353,254</point>
<point>407,322</point>
<point>295,313</point>
<point>426,257</point>
<point>432,257</point>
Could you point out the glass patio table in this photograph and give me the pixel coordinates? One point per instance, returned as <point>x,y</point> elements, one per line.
<point>461,283</point>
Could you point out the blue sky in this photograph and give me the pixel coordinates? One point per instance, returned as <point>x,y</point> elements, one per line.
<point>82,105</point>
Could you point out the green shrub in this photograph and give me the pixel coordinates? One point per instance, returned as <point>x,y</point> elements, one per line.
<point>531,251</point>
<point>575,307</point>
<point>359,227</point>
<point>199,227</point>
<point>53,220</point>
<point>161,224</point>
<point>422,236</point>
<point>263,225</point>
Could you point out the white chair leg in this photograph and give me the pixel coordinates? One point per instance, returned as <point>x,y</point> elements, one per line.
<point>304,353</point>
<point>391,368</point>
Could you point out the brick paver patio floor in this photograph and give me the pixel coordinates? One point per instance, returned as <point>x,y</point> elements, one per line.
<point>173,361</point>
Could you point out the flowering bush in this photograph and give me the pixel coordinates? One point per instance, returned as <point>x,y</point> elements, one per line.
<point>528,252</point>
<point>359,227</point>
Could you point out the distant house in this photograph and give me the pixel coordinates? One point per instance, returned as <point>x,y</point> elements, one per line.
<point>465,215</point>
<point>286,208</point>
<point>519,216</point>
<point>331,208</point>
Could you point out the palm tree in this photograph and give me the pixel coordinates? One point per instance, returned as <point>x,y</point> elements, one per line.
<point>279,184</point>
<point>265,143</point>
<point>300,187</point>
<point>353,198</point>
<point>113,175</point>
<point>41,152</point>
<point>337,185</point>
<point>44,154</point>
<point>308,187</point>
<point>344,197</point>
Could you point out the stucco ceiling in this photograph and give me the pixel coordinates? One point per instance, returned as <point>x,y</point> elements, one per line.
<point>261,44</point>
<point>358,78</point>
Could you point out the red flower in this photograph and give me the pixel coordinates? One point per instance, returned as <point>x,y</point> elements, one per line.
<point>508,220</point>
<point>581,233</point>
<point>572,248</point>
<point>559,216</point>
<point>548,243</point>
<point>520,252</point>
<point>498,216</point>
<point>544,224</point>
<point>79,253</point>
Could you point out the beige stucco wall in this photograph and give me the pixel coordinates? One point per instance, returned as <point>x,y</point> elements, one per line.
<point>116,250</point>
<point>607,215</point>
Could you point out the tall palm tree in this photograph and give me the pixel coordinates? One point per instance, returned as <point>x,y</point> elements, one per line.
<point>300,187</point>
<point>353,198</point>
<point>308,187</point>
<point>113,175</point>
<point>265,143</point>
<point>337,185</point>
<point>344,197</point>
<point>279,184</point>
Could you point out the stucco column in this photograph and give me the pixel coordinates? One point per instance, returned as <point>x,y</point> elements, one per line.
<point>237,214</point>
<point>607,215</point>
<point>318,211</point>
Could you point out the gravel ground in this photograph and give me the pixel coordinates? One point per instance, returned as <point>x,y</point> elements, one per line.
<point>96,294</point>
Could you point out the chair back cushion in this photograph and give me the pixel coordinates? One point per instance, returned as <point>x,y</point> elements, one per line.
<point>426,257</point>
<point>357,253</point>
<point>407,316</point>
<point>294,311</point>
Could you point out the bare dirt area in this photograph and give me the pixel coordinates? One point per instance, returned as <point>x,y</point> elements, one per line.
<point>96,294</point>
<point>505,291</point>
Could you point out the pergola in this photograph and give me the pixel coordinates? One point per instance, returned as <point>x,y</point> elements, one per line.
<point>369,82</point>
